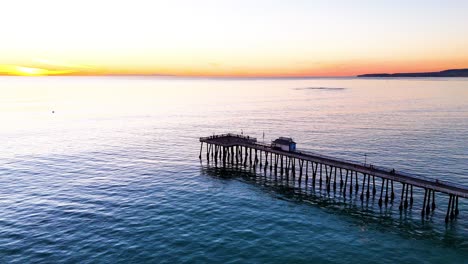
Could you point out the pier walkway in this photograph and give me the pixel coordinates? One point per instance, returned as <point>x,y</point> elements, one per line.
<point>238,148</point>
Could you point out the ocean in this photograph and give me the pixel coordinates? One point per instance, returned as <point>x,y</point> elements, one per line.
<point>106,170</point>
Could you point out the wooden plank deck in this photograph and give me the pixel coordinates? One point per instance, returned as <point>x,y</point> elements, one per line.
<point>229,140</point>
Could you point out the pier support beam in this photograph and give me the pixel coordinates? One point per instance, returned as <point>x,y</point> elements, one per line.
<point>373,186</point>
<point>363,186</point>
<point>201,148</point>
<point>357,183</point>
<point>368,186</point>
<point>256,157</point>
<point>424,203</point>
<point>301,164</point>
<point>271,161</point>
<point>411,197</point>
<point>246,150</point>
<point>386,192</point>
<point>452,213</point>
<point>401,198</point>
<point>428,207</point>
<point>341,180</point>
<point>276,162</point>
<point>320,176</point>
<point>392,196</point>
<point>381,193</point>
<point>448,209</point>
<point>314,173</point>
<point>281,157</point>
<point>345,183</point>
<point>232,155</point>
<point>334,181</point>
<point>406,198</point>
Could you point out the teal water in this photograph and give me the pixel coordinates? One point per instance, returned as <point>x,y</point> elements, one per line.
<point>113,174</point>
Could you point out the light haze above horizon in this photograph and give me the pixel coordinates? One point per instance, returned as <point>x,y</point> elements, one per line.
<point>232,38</point>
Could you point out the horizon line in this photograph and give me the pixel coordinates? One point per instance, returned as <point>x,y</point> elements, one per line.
<point>186,76</point>
<point>214,76</point>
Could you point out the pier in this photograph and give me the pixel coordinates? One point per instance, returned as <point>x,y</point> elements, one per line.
<point>334,175</point>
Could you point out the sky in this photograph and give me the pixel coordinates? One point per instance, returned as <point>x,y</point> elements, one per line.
<point>231,38</point>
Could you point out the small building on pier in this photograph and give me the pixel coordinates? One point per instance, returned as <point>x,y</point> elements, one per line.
<point>284,143</point>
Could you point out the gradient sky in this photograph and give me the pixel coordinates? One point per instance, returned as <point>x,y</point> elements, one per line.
<point>232,38</point>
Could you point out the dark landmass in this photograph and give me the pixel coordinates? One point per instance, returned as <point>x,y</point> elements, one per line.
<point>320,88</point>
<point>446,73</point>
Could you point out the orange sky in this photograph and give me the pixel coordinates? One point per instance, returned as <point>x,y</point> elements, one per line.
<point>231,38</point>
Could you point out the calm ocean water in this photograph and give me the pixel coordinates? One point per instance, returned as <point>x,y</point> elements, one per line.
<point>112,174</point>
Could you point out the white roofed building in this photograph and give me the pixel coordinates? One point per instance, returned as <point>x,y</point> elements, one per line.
<point>284,143</point>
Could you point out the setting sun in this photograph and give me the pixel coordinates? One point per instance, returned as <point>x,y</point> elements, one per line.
<point>30,71</point>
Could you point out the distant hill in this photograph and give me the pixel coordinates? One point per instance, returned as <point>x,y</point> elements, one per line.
<point>446,73</point>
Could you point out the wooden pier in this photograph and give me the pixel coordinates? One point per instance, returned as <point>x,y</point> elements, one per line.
<point>332,173</point>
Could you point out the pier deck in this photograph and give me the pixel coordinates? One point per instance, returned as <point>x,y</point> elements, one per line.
<point>229,140</point>
<point>230,146</point>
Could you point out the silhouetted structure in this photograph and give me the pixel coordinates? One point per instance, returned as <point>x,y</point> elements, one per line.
<point>446,73</point>
<point>243,150</point>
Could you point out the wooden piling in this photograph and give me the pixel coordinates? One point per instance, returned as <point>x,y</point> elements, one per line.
<point>411,197</point>
<point>424,202</point>
<point>374,191</point>
<point>386,192</point>
<point>357,183</point>
<point>341,180</point>
<point>201,148</point>
<point>448,209</point>
<point>345,183</point>
<point>314,173</point>
<point>452,211</point>
<point>301,164</point>
<point>368,186</point>
<point>392,196</point>
<point>320,176</point>
<point>363,187</point>
<point>401,198</point>
<point>381,192</point>
<point>406,198</point>
<point>428,207</point>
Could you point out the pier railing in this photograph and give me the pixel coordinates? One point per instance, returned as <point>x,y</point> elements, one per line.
<point>383,169</point>
<point>229,135</point>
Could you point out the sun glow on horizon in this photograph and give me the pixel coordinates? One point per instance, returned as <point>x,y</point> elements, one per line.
<point>30,71</point>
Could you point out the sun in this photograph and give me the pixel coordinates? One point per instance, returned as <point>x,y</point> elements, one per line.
<point>22,71</point>
<point>30,71</point>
